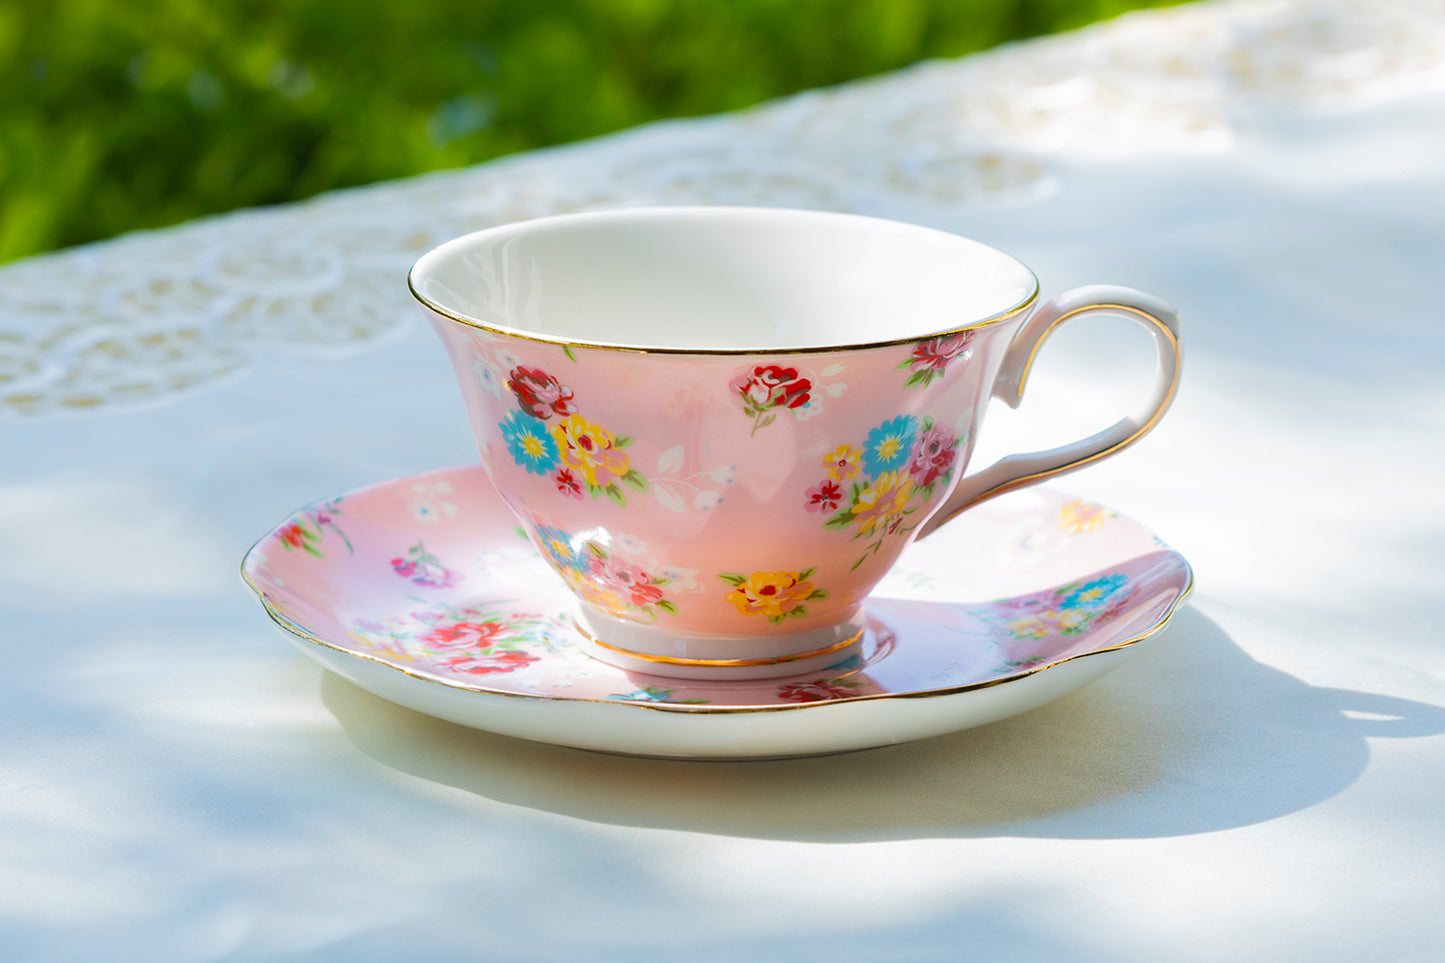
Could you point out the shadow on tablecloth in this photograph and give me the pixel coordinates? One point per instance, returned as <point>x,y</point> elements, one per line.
<point>1193,737</point>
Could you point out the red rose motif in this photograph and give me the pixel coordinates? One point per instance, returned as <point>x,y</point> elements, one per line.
<point>293,536</point>
<point>539,394</point>
<point>644,593</point>
<point>771,386</point>
<point>935,354</point>
<point>820,691</point>
<point>462,635</point>
<point>489,663</point>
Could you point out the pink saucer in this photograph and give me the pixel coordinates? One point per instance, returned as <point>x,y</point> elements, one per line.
<point>424,591</point>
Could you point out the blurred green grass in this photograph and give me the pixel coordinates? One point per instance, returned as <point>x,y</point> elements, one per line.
<point>125,114</point>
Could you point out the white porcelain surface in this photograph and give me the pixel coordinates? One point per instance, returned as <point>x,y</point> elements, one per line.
<point>705,279</point>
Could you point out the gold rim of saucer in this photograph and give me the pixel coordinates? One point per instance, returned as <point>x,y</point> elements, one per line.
<point>720,663</point>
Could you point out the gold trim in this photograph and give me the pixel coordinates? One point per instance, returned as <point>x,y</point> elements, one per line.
<point>291,628</point>
<point>720,663</point>
<point>1022,481</point>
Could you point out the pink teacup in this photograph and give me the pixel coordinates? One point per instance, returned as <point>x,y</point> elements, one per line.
<point>721,426</point>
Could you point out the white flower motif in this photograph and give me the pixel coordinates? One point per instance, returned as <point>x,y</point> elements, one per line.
<point>629,546</point>
<point>821,388</point>
<point>428,503</point>
<point>682,579</point>
<point>489,379</point>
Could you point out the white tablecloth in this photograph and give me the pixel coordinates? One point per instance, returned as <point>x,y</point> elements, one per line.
<point>177,783</point>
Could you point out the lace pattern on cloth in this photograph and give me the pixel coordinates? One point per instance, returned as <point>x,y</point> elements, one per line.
<point>147,317</point>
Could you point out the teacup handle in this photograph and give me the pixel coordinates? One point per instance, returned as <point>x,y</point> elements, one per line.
<point>1017,471</point>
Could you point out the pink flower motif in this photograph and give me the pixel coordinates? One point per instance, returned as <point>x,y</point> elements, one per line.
<point>539,394</point>
<point>825,496</point>
<point>821,690</point>
<point>568,483</point>
<point>626,578</point>
<point>933,455</point>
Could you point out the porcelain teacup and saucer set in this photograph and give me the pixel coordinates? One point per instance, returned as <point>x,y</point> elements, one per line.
<point>723,508</point>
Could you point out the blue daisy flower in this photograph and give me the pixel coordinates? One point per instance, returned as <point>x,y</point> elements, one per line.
<point>561,548</point>
<point>650,694</point>
<point>529,443</point>
<point>889,445</point>
<point>1093,594</point>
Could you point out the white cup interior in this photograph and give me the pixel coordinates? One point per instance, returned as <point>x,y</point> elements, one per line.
<point>720,279</point>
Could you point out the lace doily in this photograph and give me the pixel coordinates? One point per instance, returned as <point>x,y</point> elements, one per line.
<point>149,316</point>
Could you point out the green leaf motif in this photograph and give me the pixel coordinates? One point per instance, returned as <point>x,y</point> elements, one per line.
<point>567,350</point>
<point>667,606</point>
<point>622,441</point>
<point>818,595</point>
<point>615,493</point>
<point>732,578</point>
<point>803,575</point>
<point>634,479</point>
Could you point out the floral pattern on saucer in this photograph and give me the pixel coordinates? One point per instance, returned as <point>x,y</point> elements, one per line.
<point>1023,583</point>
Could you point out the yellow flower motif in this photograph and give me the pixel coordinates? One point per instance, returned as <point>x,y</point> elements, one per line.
<point>843,463</point>
<point>590,449</point>
<point>878,505</point>
<point>771,594</point>
<point>1079,516</point>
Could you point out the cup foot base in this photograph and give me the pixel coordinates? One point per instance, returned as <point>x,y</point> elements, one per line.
<point>646,649</point>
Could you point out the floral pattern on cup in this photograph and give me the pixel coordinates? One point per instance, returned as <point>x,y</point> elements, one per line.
<point>768,389</point>
<point>677,490</point>
<point>548,435</point>
<point>929,359</point>
<point>423,568</point>
<point>598,458</point>
<point>901,463</point>
<point>540,394</point>
<point>619,585</point>
<point>778,596</point>
<point>475,640</point>
<point>529,444</point>
<point>308,530</point>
